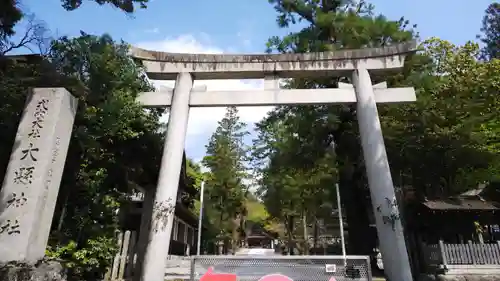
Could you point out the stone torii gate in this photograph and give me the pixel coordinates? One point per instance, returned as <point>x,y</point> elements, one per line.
<point>357,64</point>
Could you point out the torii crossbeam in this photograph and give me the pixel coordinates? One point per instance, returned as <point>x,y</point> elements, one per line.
<point>268,97</point>
<point>356,64</point>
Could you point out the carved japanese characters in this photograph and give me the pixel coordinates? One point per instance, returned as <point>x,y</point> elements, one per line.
<point>31,184</point>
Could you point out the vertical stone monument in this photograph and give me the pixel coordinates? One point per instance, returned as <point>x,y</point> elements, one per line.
<point>31,184</point>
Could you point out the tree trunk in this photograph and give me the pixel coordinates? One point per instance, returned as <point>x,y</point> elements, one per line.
<point>62,213</point>
<point>304,225</point>
<point>243,230</point>
<point>315,234</point>
<point>361,240</point>
<point>221,240</point>
<point>235,233</point>
<point>289,230</point>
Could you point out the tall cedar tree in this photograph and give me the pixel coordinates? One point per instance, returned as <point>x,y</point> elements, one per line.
<point>491,32</point>
<point>226,191</point>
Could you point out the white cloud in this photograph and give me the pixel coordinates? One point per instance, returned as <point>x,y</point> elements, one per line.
<point>152,30</point>
<point>245,41</point>
<point>183,44</point>
<point>245,33</point>
<point>203,121</point>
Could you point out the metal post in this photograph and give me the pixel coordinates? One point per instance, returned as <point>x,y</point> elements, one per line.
<point>162,218</point>
<point>200,219</point>
<point>339,209</point>
<point>341,224</point>
<point>385,207</point>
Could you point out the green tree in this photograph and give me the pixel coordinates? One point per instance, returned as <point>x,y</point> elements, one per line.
<point>194,173</point>
<point>257,215</point>
<point>10,14</point>
<point>446,142</point>
<point>110,130</point>
<point>209,232</point>
<point>109,133</point>
<point>293,193</point>
<point>226,190</point>
<point>257,212</point>
<point>491,32</point>
<point>332,25</point>
<point>441,145</point>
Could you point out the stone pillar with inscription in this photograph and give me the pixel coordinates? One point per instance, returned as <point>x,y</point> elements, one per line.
<point>31,184</point>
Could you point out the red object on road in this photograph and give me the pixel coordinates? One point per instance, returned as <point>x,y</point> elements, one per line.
<point>211,276</point>
<point>275,277</point>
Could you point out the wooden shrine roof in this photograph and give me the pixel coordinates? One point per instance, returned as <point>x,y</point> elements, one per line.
<point>462,204</point>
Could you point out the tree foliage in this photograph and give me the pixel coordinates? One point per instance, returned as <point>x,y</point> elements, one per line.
<point>225,180</point>
<point>491,32</point>
<point>290,189</point>
<point>11,13</point>
<point>35,38</point>
<point>128,6</point>
<point>330,25</point>
<point>441,145</point>
<point>109,133</point>
<point>194,173</point>
<point>447,141</point>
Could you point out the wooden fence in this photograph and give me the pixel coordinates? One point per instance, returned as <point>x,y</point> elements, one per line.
<point>462,258</point>
<point>125,260</point>
<point>470,253</point>
<point>125,263</point>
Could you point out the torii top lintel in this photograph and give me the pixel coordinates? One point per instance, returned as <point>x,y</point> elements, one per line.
<point>165,66</point>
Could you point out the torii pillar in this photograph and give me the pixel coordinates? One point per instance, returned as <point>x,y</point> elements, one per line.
<point>385,206</point>
<point>355,63</point>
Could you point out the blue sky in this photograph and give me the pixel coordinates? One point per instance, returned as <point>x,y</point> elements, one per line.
<point>235,26</point>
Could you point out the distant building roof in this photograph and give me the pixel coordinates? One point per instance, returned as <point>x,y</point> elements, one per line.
<point>461,204</point>
<point>476,191</point>
<point>257,231</point>
<point>187,186</point>
<point>187,215</point>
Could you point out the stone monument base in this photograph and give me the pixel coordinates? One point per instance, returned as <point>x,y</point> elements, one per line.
<point>41,271</point>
